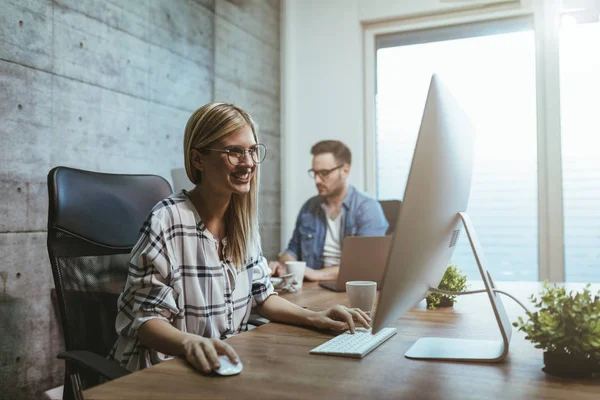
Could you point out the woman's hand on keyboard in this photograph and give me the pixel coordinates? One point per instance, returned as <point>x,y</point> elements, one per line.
<point>340,318</point>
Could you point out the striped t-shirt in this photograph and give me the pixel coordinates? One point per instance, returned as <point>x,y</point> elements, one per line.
<point>175,274</point>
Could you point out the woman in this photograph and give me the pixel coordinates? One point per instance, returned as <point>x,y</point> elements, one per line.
<point>197,269</point>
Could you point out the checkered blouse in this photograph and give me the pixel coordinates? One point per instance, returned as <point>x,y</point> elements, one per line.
<point>175,274</point>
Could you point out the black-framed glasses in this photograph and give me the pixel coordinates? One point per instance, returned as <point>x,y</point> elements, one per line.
<point>237,154</point>
<point>322,172</point>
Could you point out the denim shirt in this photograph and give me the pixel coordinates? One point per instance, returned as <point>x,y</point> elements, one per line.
<point>361,216</point>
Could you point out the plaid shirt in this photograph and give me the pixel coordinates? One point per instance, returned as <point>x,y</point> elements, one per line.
<point>175,274</point>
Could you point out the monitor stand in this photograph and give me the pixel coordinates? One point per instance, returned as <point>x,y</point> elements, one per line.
<point>467,349</point>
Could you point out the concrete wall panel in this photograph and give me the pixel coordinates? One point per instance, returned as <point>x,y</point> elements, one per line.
<point>270,205</point>
<point>177,81</point>
<point>247,73</point>
<point>270,234</point>
<point>91,51</point>
<point>29,330</point>
<point>25,263</point>
<point>108,86</point>
<point>130,17</point>
<point>209,4</point>
<point>166,127</point>
<point>263,107</point>
<point>26,32</point>
<point>24,206</point>
<point>98,129</point>
<point>258,18</point>
<point>270,168</point>
<point>25,132</point>
<point>186,30</point>
<point>31,339</point>
<point>245,60</point>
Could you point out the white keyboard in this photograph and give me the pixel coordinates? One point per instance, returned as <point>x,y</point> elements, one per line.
<point>356,346</point>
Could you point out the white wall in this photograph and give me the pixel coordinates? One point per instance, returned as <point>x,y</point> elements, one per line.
<point>321,93</point>
<point>379,10</point>
<point>323,82</point>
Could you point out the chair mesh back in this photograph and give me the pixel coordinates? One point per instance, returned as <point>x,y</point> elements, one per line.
<point>89,286</point>
<point>93,224</point>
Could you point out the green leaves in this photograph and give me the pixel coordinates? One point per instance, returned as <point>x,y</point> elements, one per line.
<point>453,281</point>
<point>568,323</point>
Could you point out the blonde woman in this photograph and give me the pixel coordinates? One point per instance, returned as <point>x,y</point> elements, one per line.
<point>197,269</point>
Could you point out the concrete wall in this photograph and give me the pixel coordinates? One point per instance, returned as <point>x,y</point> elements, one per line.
<point>109,86</point>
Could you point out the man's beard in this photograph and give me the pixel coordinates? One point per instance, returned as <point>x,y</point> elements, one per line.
<point>339,188</point>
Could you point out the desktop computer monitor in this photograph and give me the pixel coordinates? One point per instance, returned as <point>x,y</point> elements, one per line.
<point>429,223</point>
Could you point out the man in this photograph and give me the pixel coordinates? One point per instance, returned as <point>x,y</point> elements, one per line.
<point>338,211</point>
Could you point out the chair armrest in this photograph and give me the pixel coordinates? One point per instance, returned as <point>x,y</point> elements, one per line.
<point>93,362</point>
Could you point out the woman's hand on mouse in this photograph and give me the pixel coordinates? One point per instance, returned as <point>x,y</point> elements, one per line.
<point>203,353</point>
<point>340,318</point>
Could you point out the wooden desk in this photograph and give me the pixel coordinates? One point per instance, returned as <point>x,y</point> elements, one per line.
<point>277,363</point>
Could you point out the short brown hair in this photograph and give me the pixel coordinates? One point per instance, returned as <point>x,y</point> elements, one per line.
<point>340,151</point>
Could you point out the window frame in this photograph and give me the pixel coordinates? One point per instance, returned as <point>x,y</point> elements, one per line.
<point>546,21</point>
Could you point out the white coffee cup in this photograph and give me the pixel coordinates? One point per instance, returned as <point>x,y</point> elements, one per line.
<point>297,268</point>
<point>361,294</point>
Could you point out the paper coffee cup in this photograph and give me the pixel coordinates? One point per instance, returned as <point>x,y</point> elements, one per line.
<point>361,294</point>
<point>297,268</point>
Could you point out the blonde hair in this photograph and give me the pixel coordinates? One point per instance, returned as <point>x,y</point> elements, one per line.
<point>208,124</point>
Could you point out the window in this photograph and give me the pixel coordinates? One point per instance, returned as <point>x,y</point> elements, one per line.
<point>580,133</point>
<point>490,68</point>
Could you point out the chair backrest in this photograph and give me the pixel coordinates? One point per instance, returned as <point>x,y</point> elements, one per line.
<point>391,209</point>
<point>94,220</point>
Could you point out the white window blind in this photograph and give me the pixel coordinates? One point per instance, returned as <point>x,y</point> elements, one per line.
<point>490,68</point>
<point>580,127</point>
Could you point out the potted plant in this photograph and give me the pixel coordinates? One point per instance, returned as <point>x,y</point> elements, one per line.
<point>453,281</point>
<point>567,328</point>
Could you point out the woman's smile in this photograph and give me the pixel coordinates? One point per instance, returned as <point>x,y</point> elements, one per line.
<point>242,176</point>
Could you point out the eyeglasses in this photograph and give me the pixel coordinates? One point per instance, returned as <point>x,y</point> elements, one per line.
<point>322,172</point>
<point>237,154</point>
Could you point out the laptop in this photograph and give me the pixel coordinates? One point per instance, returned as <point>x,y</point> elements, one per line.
<point>363,259</point>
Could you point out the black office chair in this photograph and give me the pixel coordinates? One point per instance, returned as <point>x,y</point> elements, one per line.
<point>391,209</point>
<point>94,221</point>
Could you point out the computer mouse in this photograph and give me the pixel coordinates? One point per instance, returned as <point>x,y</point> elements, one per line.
<point>228,367</point>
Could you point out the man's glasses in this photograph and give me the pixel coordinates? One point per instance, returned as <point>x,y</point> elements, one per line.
<point>237,154</point>
<point>322,172</point>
